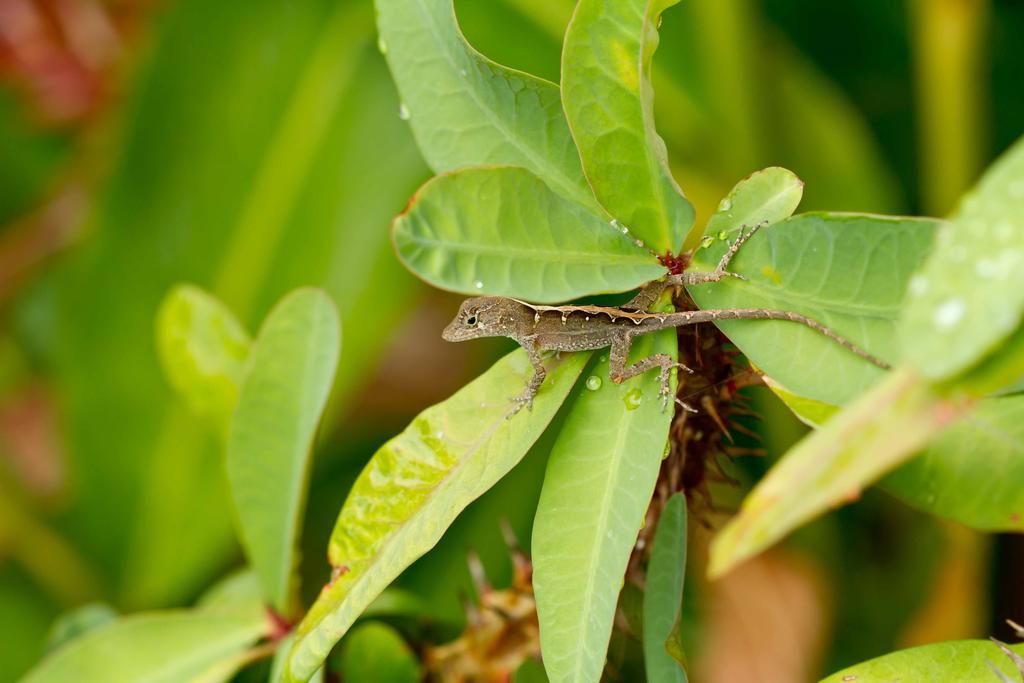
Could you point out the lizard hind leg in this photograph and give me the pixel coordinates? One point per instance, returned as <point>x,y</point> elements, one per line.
<point>620,370</point>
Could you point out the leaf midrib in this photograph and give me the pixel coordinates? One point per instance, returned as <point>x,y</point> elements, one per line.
<point>605,508</point>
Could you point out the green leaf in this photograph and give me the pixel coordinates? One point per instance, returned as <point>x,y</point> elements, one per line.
<point>964,661</point>
<point>663,591</point>
<point>465,110</point>
<point>202,348</point>
<point>969,295</point>
<point>974,471</point>
<point>416,485</point>
<point>376,652</point>
<point>287,380</point>
<point>847,271</point>
<point>767,196</point>
<point>608,99</point>
<point>832,465</point>
<point>501,231</point>
<point>160,647</point>
<point>599,481</point>
<point>78,622</point>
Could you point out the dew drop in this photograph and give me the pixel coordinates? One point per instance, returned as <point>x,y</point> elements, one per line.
<point>594,383</point>
<point>633,399</point>
<point>440,435</point>
<point>723,235</point>
<point>382,46</point>
<point>949,313</point>
<point>614,223</point>
<point>604,358</point>
<point>707,241</point>
<point>478,284</point>
<point>725,205</point>
<point>403,112</point>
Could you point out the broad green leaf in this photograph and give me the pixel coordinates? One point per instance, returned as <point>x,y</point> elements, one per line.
<point>78,622</point>
<point>376,652</point>
<point>969,295</point>
<point>202,348</point>
<point>269,122</point>
<point>963,661</point>
<point>416,485</point>
<point>287,381</point>
<point>609,102</point>
<point>599,481</point>
<point>465,110</point>
<point>847,271</point>
<point>767,196</point>
<point>832,465</point>
<point>663,591</point>
<point>501,231</point>
<point>974,471</point>
<point>160,647</point>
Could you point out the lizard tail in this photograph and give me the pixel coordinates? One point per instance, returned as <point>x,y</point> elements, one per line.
<point>711,315</point>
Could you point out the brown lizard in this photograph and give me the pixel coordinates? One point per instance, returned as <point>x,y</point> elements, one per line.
<point>586,328</point>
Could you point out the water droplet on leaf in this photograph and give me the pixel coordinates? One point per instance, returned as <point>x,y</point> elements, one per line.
<point>633,399</point>
<point>478,284</point>
<point>403,112</point>
<point>723,235</point>
<point>382,46</point>
<point>594,383</point>
<point>725,204</point>
<point>949,313</point>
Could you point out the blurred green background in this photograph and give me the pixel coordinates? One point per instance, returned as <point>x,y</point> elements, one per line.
<point>252,147</point>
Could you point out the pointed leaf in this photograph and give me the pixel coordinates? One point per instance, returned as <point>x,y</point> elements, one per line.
<point>465,110</point>
<point>832,465</point>
<point>609,102</point>
<point>847,271</point>
<point>964,661</point>
<point>287,380</point>
<point>501,231</point>
<point>203,349</point>
<point>161,647</point>
<point>969,295</point>
<point>663,591</point>
<point>598,484</point>
<point>416,485</point>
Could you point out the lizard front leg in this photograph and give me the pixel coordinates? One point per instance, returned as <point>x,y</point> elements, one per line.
<point>619,369</point>
<point>539,373</point>
<point>721,270</point>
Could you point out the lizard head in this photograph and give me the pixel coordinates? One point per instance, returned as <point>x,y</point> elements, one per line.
<point>483,316</point>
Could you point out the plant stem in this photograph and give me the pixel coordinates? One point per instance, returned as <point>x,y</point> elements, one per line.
<point>952,88</point>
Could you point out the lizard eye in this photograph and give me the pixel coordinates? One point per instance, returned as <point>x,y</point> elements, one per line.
<point>471,320</point>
